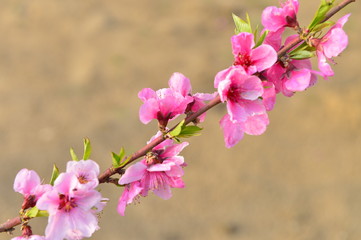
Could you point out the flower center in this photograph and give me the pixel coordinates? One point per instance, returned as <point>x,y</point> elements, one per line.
<point>83,179</point>
<point>153,157</point>
<point>234,93</point>
<point>243,60</point>
<point>66,203</point>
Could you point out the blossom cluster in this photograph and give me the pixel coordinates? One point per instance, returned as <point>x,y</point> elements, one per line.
<point>248,87</point>
<point>72,202</point>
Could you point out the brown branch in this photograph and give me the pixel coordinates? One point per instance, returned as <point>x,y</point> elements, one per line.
<point>9,225</point>
<point>143,151</point>
<point>298,40</point>
<point>336,9</point>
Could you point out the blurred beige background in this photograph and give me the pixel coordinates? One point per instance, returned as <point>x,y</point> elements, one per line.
<point>70,69</point>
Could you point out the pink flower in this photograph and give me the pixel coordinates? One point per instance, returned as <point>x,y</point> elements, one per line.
<point>164,104</point>
<point>233,131</point>
<point>331,45</point>
<point>241,92</point>
<point>246,110</point>
<point>70,209</point>
<point>179,83</point>
<point>296,76</point>
<point>27,182</point>
<point>252,60</point>
<point>87,172</point>
<point>269,95</point>
<point>131,191</point>
<point>159,171</point>
<point>274,18</point>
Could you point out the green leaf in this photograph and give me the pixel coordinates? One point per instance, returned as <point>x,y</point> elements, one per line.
<point>35,212</point>
<point>321,13</point>
<point>323,25</point>
<point>87,149</point>
<point>54,175</point>
<point>301,55</point>
<point>115,160</point>
<point>177,130</point>
<point>125,162</point>
<point>241,25</point>
<point>261,39</point>
<point>121,153</point>
<point>189,131</point>
<point>74,157</point>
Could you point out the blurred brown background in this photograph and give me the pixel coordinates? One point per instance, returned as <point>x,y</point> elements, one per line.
<point>70,69</point>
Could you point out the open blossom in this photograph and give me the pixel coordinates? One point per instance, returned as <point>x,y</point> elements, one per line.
<point>331,45</point>
<point>159,171</point>
<point>241,92</point>
<point>27,182</point>
<point>296,76</point>
<point>289,75</point>
<point>179,83</point>
<point>87,172</point>
<point>164,104</point>
<point>252,59</point>
<point>274,19</point>
<point>70,209</point>
<point>233,131</point>
<point>246,111</point>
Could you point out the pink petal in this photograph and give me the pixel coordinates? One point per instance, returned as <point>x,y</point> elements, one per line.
<point>130,192</point>
<point>274,39</point>
<point>164,192</point>
<point>324,67</point>
<point>253,107</point>
<point>273,18</point>
<point>337,41</point>
<point>57,226</point>
<point>256,125</point>
<point>299,80</point>
<point>269,95</point>
<point>160,167</point>
<point>232,131</point>
<point>242,43</point>
<point>146,94</point>
<point>263,57</point>
<point>179,83</point>
<point>173,149</point>
<point>26,181</point>
<point>133,173</point>
<point>175,171</point>
<point>148,111</point>
<point>223,88</point>
<point>251,88</point>
<point>236,111</point>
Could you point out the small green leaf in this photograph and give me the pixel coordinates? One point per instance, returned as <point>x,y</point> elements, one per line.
<point>35,212</point>
<point>323,25</point>
<point>189,131</point>
<point>241,25</point>
<point>74,157</point>
<point>43,213</point>
<point>115,160</point>
<point>177,130</point>
<point>32,212</point>
<point>121,153</point>
<point>301,55</point>
<point>321,13</point>
<point>125,162</point>
<point>87,149</point>
<point>54,175</point>
<point>261,39</point>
